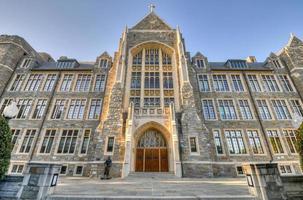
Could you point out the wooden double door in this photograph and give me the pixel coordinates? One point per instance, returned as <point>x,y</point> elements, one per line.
<point>151,160</point>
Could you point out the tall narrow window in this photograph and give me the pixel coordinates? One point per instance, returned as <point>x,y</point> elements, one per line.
<point>255,142</point>
<point>270,84</point>
<point>263,109</point>
<point>27,141</point>
<point>152,102</point>
<point>76,109</point>
<point>48,141</point>
<point>26,63</point>
<point>203,83</point>
<point>235,142</point>
<point>83,83</point>
<point>220,83</point>
<point>66,83</point>
<point>168,100</point>
<point>110,144</point>
<point>85,142</point>
<point>103,63</point>
<point>5,103</point>
<point>68,141</point>
<point>33,82</point>
<point>17,84</point>
<point>135,100</point>
<point>277,63</point>
<point>281,109</point>
<point>168,80</point>
<point>95,109</point>
<point>136,80</point>
<point>297,107</point>
<point>254,83</point>
<point>137,60</point>
<point>166,59</point>
<point>291,139</point>
<point>245,109</point>
<point>50,82</point>
<point>218,142</point>
<point>40,108</point>
<point>100,83</point>
<point>208,109</point>
<point>15,135</point>
<point>286,84</point>
<point>275,141</point>
<point>58,109</point>
<point>151,56</point>
<point>151,80</point>
<point>193,144</point>
<point>200,63</point>
<point>227,109</point>
<point>24,106</point>
<point>237,83</point>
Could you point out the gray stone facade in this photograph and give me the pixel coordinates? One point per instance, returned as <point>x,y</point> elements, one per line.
<point>186,121</point>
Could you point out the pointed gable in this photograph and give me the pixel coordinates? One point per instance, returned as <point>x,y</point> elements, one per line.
<point>294,41</point>
<point>152,22</point>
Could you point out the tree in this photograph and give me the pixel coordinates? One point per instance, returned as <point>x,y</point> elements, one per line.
<point>5,146</point>
<point>300,143</point>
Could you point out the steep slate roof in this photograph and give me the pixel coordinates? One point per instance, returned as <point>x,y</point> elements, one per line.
<point>251,66</point>
<point>53,66</point>
<point>152,22</point>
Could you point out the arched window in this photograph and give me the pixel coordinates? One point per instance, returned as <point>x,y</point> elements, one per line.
<point>151,138</point>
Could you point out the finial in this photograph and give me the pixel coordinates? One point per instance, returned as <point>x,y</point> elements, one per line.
<point>292,35</point>
<point>151,7</point>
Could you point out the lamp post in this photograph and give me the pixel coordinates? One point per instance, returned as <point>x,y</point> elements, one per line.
<point>10,111</point>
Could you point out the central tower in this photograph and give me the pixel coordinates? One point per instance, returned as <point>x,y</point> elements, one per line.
<point>148,86</point>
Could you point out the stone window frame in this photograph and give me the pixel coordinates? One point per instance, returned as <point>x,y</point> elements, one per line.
<point>208,81</point>
<point>103,63</point>
<point>46,79</point>
<point>68,108</point>
<point>21,84</point>
<point>286,173</point>
<point>2,107</point>
<point>292,86</point>
<point>59,139</point>
<point>287,107</point>
<point>197,145</point>
<point>227,80</point>
<point>95,80</point>
<point>85,77</point>
<point>75,170</point>
<point>279,88</point>
<point>35,103</point>
<point>281,141</point>
<point>263,145</point>
<point>237,171</point>
<point>18,166</point>
<point>54,144</point>
<point>250,107</point>
<point>235,106</point>
<point>222,137</point>
<point>244,142</point>
<point>82,141</point>
<point>30,108</point>
<point>215,110</point>
<point>53,104</point>
<point>72,84</point>
<point>291,105</point>
<point>26,63</point>
<point>202,61</point>
<point>269,109</point>
<point>89,106</point>
<point>241,80</point>
<point>276,63</point>
<point>292,142</point>
<point>22,140</point>
<point>258,79</point>
<point>66,165</point>
<point>15,140</point>
<point>106,143</point>
<point>40,80</point>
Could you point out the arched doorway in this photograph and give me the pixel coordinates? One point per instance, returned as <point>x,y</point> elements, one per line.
<point>151,152</point>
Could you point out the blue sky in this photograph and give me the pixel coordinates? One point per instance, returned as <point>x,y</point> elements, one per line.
<point>220,29</point>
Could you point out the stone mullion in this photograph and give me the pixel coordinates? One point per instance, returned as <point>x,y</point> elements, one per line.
<point>161,79</point>
<point>142,79</point>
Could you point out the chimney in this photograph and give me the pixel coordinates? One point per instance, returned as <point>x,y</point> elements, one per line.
<point>251,59</point>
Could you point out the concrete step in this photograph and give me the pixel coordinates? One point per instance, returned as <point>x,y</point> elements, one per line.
<point>62,197</point>
<point>153,175</point>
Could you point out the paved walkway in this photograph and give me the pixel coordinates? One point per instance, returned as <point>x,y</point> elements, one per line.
<point>151,188</point>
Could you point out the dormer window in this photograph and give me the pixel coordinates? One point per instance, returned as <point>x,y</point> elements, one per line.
<point>103,63</point>
<point>237,64</point>
<point>26,63</point>
<point>200,63</point>
<point>65,64</point>
<point>277,63</point>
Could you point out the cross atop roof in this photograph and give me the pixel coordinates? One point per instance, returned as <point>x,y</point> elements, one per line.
<point>151,7</point>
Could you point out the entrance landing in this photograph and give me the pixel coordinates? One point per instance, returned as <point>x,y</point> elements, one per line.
<point>151,187</point>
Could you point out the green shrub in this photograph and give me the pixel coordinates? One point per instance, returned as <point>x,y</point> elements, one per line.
<point>5,146</point>
<point>300,144</point>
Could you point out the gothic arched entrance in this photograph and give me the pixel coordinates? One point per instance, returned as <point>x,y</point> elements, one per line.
<point>151,152</point>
